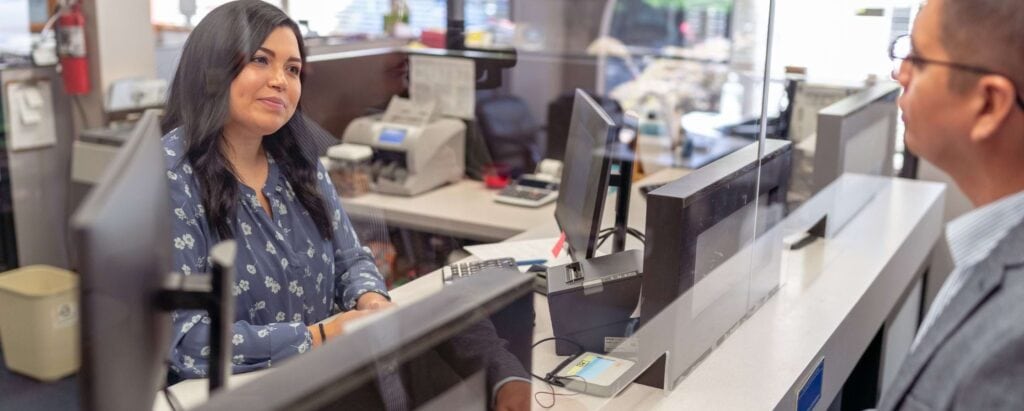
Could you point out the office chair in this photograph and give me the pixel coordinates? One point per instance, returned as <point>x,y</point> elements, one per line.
<point>513,137</point>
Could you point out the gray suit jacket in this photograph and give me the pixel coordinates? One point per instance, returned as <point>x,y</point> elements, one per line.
<point>972,358</point>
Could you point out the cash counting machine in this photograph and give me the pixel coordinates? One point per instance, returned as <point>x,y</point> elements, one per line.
<point>413,149</point>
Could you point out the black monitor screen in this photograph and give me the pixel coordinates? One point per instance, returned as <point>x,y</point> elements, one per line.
<point>585,175</point>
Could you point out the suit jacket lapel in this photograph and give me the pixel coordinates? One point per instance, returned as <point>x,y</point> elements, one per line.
<point>984,279</point>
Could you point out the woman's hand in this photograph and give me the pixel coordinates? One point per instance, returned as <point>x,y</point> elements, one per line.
<point>373,301</point>
<point>335,326</point>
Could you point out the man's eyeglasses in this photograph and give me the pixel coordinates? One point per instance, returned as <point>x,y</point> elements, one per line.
<point>902,50</point>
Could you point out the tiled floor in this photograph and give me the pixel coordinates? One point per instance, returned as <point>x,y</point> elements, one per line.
<point>20,393</point>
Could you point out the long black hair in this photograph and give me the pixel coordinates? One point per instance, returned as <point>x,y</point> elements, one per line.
<point>198,103</point>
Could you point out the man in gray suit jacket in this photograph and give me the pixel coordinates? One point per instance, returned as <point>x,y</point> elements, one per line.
<point>963,73</point>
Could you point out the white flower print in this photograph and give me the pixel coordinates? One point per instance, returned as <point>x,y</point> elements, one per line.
<point>310,252</point>
<point>250,268</point>
<point>185,269</point>
<point>179,243</point>
<point>188,361</point>
<point>282,209</point>
<point>188,192</point>
<point>206,320</point>
<point>189,240</point>
<point>280,316</point>
<point>324,257</point>
<point>263,333</point>
<point>238,359</point>
<point>320,175</point>
<point>278,236</point>
<point>260,305</point>
<point>303,347</point>
<point>171,175</point>
<point>236,290</point>
<point>180,213</point>
<point>237,340</point>
<point>205,352</point>
<point>272,285</point>
<point>271,249</point>
<point>246,229</point>
<point>297,317</point>
<point>299,291</point>
<point>170,153</point>
<point>187,169</point>
<point>284,263</point>
<point>244,285</point>
<point>292,286</point>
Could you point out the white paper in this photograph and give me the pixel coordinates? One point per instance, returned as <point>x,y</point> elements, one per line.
<point>522,251</point>
<point>449,81</point>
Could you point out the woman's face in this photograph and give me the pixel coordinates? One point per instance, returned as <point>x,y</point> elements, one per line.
<point>265,93</point>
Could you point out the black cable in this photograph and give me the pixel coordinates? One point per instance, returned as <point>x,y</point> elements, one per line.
<point>553,394</point>
<point>172,401</point>
<point>553,380</point>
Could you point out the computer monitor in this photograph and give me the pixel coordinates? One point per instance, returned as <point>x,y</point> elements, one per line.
<point>410,340</point>
<point>122,231</point>
<point>692,223</point>
<point>585,176</point>
<point>857,135</point>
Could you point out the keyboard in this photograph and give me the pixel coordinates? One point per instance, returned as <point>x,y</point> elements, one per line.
<point>459,271</point>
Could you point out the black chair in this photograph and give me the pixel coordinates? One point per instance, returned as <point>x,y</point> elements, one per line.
<point>514,139</point>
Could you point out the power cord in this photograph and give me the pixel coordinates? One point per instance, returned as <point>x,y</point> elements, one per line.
<point>551,379</point>
<point>172,401</point>
<point>608,232</point>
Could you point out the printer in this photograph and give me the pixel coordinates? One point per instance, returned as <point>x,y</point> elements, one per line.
<point>414,150</point>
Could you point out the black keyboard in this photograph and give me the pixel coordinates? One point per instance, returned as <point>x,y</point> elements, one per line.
<point>459,271</point>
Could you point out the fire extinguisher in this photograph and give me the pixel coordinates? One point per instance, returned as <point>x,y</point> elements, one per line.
<point>71,49</point>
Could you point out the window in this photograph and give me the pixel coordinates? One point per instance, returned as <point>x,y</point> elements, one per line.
<point>168,12</point>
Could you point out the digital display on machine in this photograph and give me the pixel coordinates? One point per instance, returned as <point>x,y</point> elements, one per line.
<point>392,135</point>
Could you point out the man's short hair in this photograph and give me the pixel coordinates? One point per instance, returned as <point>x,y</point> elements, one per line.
<point>984,33</point>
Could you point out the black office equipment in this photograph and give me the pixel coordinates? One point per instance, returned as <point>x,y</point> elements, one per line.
<point>709,241</point>
<point>123,235</point>
<point>588,315</point>
<point>679,212</point>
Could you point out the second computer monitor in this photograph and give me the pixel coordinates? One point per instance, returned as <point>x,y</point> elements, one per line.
<point>857,135</point>
<point>585,175</point>
<point>123,232</point>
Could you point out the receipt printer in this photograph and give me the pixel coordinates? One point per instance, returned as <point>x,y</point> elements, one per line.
<point>592,301</point>
<point>413,150</point>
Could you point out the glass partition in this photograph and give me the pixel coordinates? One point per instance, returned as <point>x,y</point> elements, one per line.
<point>628,159</point>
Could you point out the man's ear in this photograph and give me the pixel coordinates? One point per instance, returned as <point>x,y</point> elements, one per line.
<point>997,99</point>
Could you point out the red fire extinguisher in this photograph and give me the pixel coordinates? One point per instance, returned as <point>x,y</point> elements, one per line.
<point>71,49</point>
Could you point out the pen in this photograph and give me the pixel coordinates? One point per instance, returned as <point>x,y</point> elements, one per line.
<point>530,262</point>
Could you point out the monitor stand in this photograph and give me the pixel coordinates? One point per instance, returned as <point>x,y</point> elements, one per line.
<point>591,302</point>
<point>212,293</point>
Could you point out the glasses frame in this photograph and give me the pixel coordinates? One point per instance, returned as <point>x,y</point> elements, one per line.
<point>965,67</point>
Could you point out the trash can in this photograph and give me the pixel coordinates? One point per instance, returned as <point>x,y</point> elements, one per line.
<point>39,321</point>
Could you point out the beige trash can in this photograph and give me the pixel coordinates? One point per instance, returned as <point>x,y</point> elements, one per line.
<point>39,321</point>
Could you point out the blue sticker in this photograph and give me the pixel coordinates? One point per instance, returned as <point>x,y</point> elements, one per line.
<point>810,393</point>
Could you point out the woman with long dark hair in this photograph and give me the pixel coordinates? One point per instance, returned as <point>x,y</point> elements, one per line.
<point>237,171</point>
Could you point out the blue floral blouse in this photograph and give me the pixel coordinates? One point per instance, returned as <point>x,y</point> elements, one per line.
<point>287,276</point>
